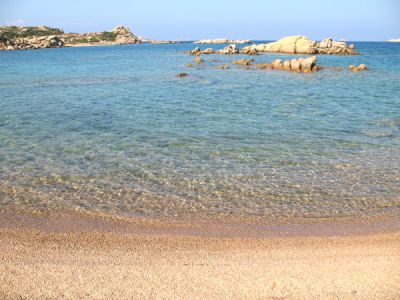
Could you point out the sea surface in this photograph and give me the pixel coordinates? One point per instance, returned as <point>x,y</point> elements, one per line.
<point>113,130</point>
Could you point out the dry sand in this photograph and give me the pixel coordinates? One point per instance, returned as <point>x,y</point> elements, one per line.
<point>75,258</point>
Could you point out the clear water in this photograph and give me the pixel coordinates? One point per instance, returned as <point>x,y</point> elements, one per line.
<point>113,129</point>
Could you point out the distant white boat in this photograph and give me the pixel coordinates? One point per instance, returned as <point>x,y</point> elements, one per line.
<point>394,40</point>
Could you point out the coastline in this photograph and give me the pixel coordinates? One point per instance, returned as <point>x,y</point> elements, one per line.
<point>72,256</point>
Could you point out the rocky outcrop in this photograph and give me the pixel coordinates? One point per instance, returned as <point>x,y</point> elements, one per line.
<point>123,36</point>
<point>222,41</point>
<point>359,68</point>
<point>118,36</point>
<point>249,51</point>
<point>330,46</point>
<point>32,43</point>
<point>209,51</point>
<point>229,50</point>
<point>303,45</point>
<point>300,65</point>
<point>24,38</point>
<point>290,45</point>
<point>196,51</point>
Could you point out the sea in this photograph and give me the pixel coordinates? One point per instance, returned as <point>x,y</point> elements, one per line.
<point>113,130</point>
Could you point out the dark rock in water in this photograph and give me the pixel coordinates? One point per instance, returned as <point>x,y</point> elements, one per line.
<point>180,75</point>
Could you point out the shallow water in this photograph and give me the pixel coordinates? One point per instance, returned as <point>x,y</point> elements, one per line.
<point>112,129</point>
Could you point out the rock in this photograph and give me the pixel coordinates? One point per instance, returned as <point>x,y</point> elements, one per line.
<point>277,64</point>
<point>301,65</point>
<point>189,65</point>
<point>222,41</point>
<point>198,60</point>
<point>249,51</point>
<point>223,67</point>
<point>125,36</point>
<point>303,45</point>
<point>307,64</point>
<point>326,43</point>
<point>195,51</point>
<point>330,46</point>
<point>286,65</point>
<point>244,62</point>
<point>290,45</point>
<point>264,66</point>
<point>229,50</point>
<point>361,67</point>
<point>208,51</point>
<point>182,75</point>
<point>35,42</point>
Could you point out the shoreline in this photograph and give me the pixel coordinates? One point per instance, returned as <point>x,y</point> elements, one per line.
<point>54,221</point>
<point>79,256</point>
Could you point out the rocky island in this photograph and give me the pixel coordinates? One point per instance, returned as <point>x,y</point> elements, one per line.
<point>222,41</point>
<point>287,45</point>
<point>36,37</point>
<point>303,45</point>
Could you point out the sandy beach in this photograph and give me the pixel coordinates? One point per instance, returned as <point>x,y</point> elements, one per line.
<point>75,257</point>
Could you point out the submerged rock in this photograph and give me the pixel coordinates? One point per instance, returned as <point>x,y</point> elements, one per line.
<point>182,75</point>
<point>198,60</point>
<point>244,62</point>
<point>223,67</point>
<point>361,67</point>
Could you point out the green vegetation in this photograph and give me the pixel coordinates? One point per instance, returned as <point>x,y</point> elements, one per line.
<point>103,36</point>
<point>107,36</point>
<point>78,41</point>
<point>12,32</point>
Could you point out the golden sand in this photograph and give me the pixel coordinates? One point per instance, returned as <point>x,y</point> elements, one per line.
<point>82,262</point>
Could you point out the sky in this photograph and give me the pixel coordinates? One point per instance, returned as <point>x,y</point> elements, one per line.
<point>354,20</point>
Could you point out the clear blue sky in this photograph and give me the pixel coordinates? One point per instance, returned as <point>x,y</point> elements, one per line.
<point>185,19</point>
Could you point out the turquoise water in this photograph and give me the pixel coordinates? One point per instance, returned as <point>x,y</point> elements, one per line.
<point>113,129</point>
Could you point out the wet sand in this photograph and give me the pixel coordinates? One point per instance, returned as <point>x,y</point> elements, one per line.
<point>78,256</point>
